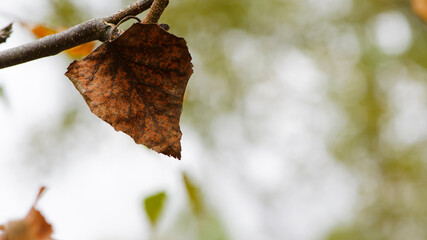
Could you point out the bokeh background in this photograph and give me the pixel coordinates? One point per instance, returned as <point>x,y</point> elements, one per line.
<point>304,119</point>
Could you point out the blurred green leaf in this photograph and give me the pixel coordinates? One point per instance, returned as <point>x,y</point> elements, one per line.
<point>199,222</point>
<point>153,207</point>
<point>3,96</point>
<point>194,194</point>
<point>66,13</point>
<point>70,118</point>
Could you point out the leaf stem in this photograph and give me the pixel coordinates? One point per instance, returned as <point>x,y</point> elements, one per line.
<point>114,30</point>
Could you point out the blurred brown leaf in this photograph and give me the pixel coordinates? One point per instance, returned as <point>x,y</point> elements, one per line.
<point>420,8</point>
<point>5,33</point>
<point>136,83</point>
<point>33,227</point>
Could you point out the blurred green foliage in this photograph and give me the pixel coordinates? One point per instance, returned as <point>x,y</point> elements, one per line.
<point>3,96</point>
<point>153,206</point>
<point>65,13</point>
<point>392,175</point>
<point>194,195</point>
<point>200,222</point>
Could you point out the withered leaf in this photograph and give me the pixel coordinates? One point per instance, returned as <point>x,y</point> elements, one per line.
<point>33,227</point>
<point>5,33</point>
<point>136,83</point>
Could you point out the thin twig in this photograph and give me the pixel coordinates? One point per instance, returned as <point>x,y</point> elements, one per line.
<point>156,11</point>
<point>94,29</point>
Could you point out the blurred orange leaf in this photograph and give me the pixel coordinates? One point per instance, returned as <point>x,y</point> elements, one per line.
<point>81,50</point>
<point>420,8</point>
<point>77,52</point>
<point>41,31</point>
<point>136,83</point>
<point>33,227</point>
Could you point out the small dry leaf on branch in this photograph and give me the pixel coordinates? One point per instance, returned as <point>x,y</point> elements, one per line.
<point>33,227</point>
<point>5,33</point>
<point>136,83</point>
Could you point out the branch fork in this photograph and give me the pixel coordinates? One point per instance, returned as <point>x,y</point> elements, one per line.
<point>94,29</point>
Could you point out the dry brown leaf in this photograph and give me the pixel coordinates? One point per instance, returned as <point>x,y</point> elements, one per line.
<point>420,8</point>
<point>136,83</point>
<point>5,33</point>
<point>33,227</point>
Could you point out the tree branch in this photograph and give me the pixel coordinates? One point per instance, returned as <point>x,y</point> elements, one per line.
<point>94,29</point>
<point>156,11</point>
